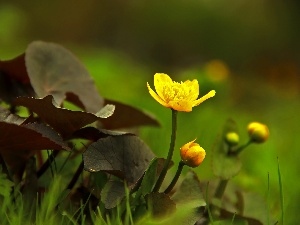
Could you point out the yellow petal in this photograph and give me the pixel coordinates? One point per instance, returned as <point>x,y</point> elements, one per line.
<point>161,80</point>
<point>205,97</point>
<point>182,105</point>
<point>193,87</point>
<point>156,97</point>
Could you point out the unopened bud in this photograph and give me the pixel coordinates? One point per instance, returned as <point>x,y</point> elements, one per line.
<point>258,132</point>
<point>192,154</point>
<point>232,138</point>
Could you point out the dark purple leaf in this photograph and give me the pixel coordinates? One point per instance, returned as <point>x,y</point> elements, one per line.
<point>127,116</point>
<point>53,70</point>
<point>62,120</point>
<point>6,116</point>
<point>15,69</point>
<point>125,156</point>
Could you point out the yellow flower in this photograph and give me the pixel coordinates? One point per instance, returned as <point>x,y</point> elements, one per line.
<point>192,154</point>
<point>178,96</point>
<point>258,132</point>
<point>232,138</point>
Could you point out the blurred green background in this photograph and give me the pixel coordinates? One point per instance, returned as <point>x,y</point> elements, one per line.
<point>248,51</point>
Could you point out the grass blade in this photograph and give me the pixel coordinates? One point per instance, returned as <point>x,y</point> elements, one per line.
<point>281,193</point>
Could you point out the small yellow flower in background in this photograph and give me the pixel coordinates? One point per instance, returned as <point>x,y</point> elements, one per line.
<point>178,96</point>
<point>217,70</point>
<point>192,154</point>
<point>258,132</point>
<point>232,138</point>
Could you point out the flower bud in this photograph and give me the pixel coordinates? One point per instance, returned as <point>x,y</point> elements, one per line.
<point>232,138</point>
<point>258,132</point>
<point>192,154</point>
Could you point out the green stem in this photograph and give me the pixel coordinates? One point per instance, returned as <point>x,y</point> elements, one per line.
<point>240,149</point>
<point>220,189</point>
<point>175,179</point>
<point>170,153</point>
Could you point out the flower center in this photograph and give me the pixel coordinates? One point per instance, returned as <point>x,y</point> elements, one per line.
<point>176,92</point>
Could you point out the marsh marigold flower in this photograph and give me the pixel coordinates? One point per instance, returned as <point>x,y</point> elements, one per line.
<point>192,154</point>
<point>178,96</point>
<point>258,132</point>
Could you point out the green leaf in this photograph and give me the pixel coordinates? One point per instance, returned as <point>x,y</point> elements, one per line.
<point>5,184</point>
<point>227,218</point>
<point>160,205</point>
<point>112,193</point>
<point>124,155</point>
<point>53,70</point>
<point>150,177</point>
<point>255,206</point>
<point>190,191</point>
<point>189,198</point>
<point>225,166</point>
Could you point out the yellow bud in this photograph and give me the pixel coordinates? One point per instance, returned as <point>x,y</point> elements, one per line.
<point>258,132</point>
<point>192,154</point>
<point>232,138</point>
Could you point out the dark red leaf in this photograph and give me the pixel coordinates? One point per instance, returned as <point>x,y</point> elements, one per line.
<point>10,88</point>
<point>28,137</point>
<point>19,142</point>
<point>53,70</point>
<point>127,116</point>
<point>15,69</point>
<point>125,156</point>
<point>6,116</point>
<point>62,120</point>
<point>92,133</point>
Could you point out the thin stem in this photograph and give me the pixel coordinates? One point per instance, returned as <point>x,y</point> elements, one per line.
<point>47,164</point>
<point>76,176</point>
<point>240,149</point>
<point>220,189</point>
<point>175,179</point>
<point>170,153</point>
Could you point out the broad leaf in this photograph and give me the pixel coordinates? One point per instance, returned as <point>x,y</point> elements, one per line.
<point>125,156</point>
<point>35,136</point>
<point>190,199</point>
<point>93,134</point>
<point>150,177</point>
<point>6,116</point>
<point>62,120</point>
<point>19,142</point>
<point>112,193</point>
<point>15,69</point>
<point>53,70</point>
<point>190,191</point>
<point>227,216</point>
<point>255,206</point>
<point>225,166</point>
<point>10,88</point>
<point>160,205</point>
<point>127,116</point>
